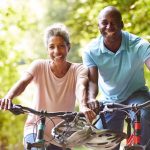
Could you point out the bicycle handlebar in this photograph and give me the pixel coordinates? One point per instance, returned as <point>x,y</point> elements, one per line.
<point>108,107</point>
<point>19,109</point>
<point>111,107</point>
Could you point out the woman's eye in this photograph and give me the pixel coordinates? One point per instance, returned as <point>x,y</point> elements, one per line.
<point>62,46</point>
<point>51,47</point>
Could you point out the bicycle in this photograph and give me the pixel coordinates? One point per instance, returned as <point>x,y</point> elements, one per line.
<point>133,139</point>
<point>73,131</point>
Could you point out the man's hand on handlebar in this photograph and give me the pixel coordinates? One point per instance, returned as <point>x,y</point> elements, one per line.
<point>5,104</point>
<point>89,114</point>
<point>94,105</point>
<point>91,109</point>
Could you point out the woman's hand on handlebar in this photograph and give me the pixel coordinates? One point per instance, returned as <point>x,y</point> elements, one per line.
<point>5,103</point>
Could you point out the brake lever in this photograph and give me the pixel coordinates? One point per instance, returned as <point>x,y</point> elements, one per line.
<point>16,109</point>
<point>108,109</point>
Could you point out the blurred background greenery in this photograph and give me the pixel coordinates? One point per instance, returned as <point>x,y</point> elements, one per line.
<point>22,24</point>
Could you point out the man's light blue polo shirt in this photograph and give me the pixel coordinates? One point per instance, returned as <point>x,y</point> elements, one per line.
<point>120,73</point>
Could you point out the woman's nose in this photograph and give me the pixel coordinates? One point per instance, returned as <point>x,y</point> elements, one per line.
<point>56,50</point>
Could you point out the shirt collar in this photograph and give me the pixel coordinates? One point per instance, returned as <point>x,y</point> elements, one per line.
<point>103,49</point>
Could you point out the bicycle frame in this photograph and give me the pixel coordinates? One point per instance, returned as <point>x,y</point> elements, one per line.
<point>133,140</point>
<point>135,137</point>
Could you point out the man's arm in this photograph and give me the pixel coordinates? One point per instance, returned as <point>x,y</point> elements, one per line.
<point>93,104</point>
<point>82,95</point>
<point>81,88</point>
<point>16,90</point>
<point>93,83</point>
<point>147,63</point>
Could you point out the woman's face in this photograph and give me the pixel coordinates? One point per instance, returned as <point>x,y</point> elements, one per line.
<point>58,49</point>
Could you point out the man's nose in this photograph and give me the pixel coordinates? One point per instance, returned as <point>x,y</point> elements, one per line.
<point>109,25</point>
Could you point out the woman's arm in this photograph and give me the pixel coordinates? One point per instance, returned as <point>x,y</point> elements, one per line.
<point>16,90</point>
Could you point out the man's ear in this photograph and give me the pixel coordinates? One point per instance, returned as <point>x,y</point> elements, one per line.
<point>122,24</point>
<point>98,24</point>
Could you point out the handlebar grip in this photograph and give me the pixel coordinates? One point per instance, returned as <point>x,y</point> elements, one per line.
<point>16,109</point>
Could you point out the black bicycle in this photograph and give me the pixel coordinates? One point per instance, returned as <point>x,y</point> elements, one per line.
<point>73,131</point>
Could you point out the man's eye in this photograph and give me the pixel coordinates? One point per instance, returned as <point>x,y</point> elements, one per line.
<point>104,23</point>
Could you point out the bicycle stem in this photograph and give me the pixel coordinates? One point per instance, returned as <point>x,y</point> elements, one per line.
<point>41,127</point>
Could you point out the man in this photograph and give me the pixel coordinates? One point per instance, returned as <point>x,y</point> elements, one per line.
<point>116,59</point>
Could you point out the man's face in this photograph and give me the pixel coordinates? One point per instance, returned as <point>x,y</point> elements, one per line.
<point>110,24</point>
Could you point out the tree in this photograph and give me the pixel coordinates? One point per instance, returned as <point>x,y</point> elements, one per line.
<point>13,26</point>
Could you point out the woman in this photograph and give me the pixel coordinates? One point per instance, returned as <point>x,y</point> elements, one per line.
<point>58,83</point>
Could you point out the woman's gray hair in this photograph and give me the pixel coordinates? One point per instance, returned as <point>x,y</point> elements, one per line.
<point>57,29</point>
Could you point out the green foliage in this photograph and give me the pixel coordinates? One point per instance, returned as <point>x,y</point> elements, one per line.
<point>11,128</point>
<point>83,17</point>
<point>135,21</point>
<point>13,24</point>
